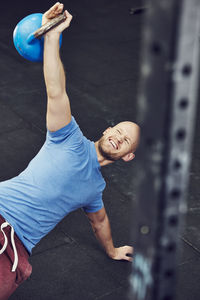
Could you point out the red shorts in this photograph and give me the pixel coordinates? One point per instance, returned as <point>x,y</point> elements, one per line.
<point>10,280</point>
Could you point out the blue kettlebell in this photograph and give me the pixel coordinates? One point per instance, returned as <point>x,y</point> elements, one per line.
<point>28,35</point>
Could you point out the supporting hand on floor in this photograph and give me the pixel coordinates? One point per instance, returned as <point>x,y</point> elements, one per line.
<point>122,253</point>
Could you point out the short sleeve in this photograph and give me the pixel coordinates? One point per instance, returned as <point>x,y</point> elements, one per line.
<point>94,206</point>
<point>69,133</point>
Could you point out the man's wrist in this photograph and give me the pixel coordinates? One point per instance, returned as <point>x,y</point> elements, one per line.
<point>112,253</point>
<point>52,35</point>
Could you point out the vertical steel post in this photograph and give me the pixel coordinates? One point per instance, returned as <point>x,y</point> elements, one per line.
<point>166,113</point>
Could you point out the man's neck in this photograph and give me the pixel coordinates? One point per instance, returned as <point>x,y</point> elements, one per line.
<point>102,160</point>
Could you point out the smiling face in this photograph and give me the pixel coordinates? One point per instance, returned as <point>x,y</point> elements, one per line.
<point>119,141</point>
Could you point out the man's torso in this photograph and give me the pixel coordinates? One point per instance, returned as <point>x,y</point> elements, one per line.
<point>63,176</point>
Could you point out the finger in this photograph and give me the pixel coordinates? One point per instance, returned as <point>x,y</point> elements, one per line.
<point>129,249</point>
<point>66,23</point>
<point>53,8</point>
<point>68,16</point>
<point>60,8</point>
<point>128,258</point>
<point>68,19</point>
<point>51,12</point>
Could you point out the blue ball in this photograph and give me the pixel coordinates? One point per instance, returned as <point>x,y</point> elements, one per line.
<point>28,46</point>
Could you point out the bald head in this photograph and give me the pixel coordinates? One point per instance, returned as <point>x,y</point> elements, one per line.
<point>133,131</point>
<point>120,141</point>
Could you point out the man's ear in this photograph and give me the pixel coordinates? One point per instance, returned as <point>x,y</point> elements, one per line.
<point>128,157</point>
<point>107,130</point>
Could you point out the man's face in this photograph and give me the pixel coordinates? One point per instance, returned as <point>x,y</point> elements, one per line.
<point>119,141</point>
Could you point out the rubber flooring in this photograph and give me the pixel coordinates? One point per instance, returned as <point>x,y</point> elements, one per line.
<point>101,54</point>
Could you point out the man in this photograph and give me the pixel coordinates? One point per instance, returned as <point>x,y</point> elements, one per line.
<point>64,176</point>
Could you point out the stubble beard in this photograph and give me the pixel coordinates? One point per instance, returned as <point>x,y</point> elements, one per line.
<point>106,154</point>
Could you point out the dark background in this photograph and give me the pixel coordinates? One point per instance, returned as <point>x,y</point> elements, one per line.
<point>101,53</point>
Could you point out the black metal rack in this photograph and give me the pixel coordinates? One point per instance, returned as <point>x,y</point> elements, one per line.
<point>166,113</point>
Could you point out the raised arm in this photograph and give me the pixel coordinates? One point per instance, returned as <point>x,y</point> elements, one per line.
<point>101,227</point>
<point>58,105</point>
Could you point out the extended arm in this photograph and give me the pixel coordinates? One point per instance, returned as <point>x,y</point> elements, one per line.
<point>101,227</point>
<point>58,106</point>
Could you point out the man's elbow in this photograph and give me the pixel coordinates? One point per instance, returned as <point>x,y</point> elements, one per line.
<point>98,224</point>
<point>54,92</point>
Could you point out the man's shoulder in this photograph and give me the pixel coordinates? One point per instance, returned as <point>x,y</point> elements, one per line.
<point>68,133</point>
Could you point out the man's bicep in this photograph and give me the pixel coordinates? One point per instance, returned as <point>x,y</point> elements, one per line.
<point>58,112</point>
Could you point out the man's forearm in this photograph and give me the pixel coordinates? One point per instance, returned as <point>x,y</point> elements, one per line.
<point>53,68</point>
<point>103,234</point>
<point>101,227</point>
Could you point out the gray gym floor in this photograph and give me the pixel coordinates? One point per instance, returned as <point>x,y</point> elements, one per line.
<point>100,52</point>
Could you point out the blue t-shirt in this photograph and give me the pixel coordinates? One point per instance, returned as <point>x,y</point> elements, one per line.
<point>64,176</point>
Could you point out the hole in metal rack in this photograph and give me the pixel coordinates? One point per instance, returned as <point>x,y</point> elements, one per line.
<point>180,134</point>
<point>169,273</point>
<point>186,70</point>
<point>176,165</point>
<point>171,247</point>
<point>156,48</point>
<point>175,193</point>
<point>173,220</point>
<point>183,103</point>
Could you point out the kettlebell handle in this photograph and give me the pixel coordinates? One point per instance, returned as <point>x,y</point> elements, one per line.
<point>49,25</point>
